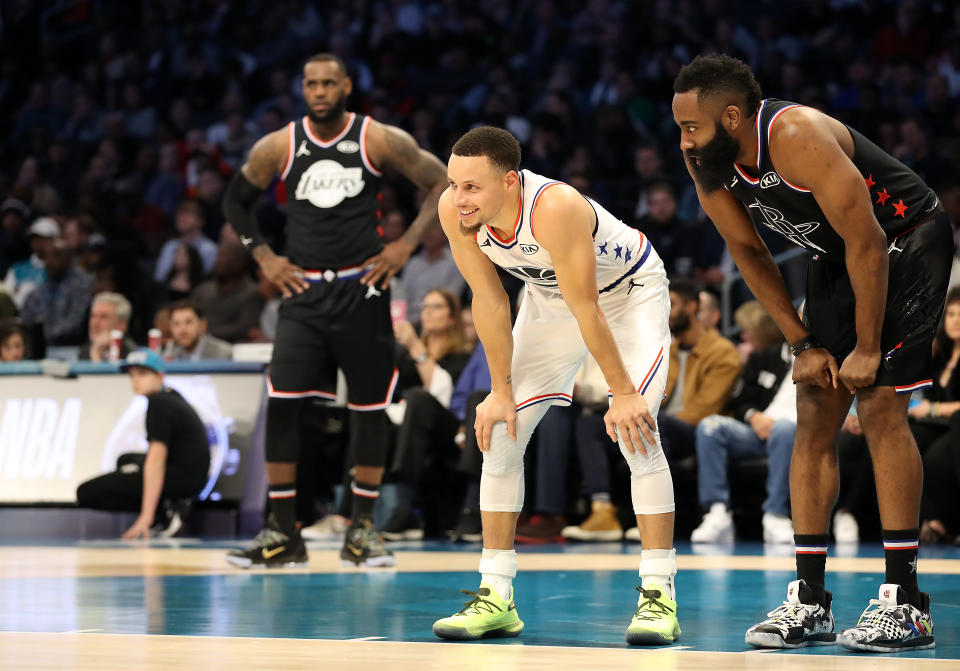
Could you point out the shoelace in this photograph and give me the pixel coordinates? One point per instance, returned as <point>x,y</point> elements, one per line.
<point>650,608</point>
<point>476,603</point>
<point>786,610</point>
<point>868,616</point>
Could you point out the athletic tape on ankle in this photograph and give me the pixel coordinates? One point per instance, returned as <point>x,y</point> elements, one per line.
<point>504,564</point>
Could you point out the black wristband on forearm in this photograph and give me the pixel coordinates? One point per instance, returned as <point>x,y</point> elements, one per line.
<point>238,201</point>
<point>810,342</point>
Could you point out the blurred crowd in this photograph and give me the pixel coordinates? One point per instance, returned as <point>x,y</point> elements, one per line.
<point>120,131</point>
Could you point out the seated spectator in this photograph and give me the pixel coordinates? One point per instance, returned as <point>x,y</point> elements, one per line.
<point>433,266</point>
<point>189,338</point>
<point>764,421</point>
<point>14,245</point>
<point>59,305</point>
<point>704,366</point>
<point>161,322</point>
<point>25,276</point>
<point>230,301</point>
<point>674,239</point>
<point>189,222</point>
<point>710,313</point>
<point>174,468</point>
<point>184,276</point>
<point>13,343</point>
<point>109,312</point>
<point>428,428</point>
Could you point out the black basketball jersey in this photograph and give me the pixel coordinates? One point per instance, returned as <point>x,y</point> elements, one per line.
<point>333,206</point>
<point>900,198</point>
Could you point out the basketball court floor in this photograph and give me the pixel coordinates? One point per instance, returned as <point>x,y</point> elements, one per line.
<point>178,604</point>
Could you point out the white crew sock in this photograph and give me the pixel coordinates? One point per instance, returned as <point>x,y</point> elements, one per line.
<point>498,568</point>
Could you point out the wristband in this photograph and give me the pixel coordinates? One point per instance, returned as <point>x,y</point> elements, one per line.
<point>810,342</point>
<point>420,358</point>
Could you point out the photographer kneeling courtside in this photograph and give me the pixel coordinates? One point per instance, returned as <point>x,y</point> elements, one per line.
<point>174,469</point>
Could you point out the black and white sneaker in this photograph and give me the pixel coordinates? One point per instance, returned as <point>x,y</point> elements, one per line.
<point>469,527</point>
<point>363,546</point>
<point>890,624</point>
<point>403,526</point>
<point>796,623</point>
<point>271,548</point>
<point>170,517</point>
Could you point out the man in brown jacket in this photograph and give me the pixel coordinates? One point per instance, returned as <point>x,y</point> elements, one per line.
<point>704,367</point>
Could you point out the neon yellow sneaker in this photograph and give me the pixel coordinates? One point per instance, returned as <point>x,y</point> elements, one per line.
<point>487,615</point>
<point>655,622</point>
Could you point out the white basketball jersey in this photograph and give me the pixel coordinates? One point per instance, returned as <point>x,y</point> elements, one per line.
<point>623,253</point>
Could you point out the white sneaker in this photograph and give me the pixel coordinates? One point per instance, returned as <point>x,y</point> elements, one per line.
<point>845,528</point>
<point>777,529</point>
<point>632,535</point>
<point>717,526</point>
<point>331,527</point>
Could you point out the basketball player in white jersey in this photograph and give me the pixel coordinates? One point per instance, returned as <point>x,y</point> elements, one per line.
<point>592,284</point>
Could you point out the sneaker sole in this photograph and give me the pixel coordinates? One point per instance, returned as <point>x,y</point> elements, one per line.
<point>854,646</point>
<point>601,536</point>
<point>651,638</point>
<point>405,535</point>
<point>244,562</point>
<point>377,562</point>
<point>462,634</point>
<point>770,640</point>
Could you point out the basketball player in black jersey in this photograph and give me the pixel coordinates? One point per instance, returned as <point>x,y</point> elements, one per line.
<point>336,307</point>
<point>881,248</point>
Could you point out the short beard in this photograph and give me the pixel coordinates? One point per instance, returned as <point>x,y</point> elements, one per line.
<point>680,325</point>
<point>717,157</point>
<point>333,112</point>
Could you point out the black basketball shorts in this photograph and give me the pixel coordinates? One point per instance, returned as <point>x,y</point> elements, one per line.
<point>920,262</point>
<point>339,324</point>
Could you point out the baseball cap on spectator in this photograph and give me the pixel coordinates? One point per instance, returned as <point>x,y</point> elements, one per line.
<point>145,358</point>
<point>15,205</point>
<point>44,227</point>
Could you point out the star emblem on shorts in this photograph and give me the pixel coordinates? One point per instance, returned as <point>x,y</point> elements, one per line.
<point>602,248</point>
<point>882,197</point>
<point>618,250</point>
<point>626,257</point>
<point>900,209</point>
<point>912,565</point>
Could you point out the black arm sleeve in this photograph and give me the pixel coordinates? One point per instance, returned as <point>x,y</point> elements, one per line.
<point>237,205</point>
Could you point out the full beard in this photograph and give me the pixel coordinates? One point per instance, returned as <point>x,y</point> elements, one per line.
<point>712,164</point>
<point>680,324</point>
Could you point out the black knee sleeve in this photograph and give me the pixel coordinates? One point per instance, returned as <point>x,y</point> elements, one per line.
<point>368,437</point>
<point>283,430</point>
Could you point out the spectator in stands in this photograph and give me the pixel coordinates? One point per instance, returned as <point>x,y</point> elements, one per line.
<point>185,274</point>
<point>161,322</point>
<point>13,343</point>
<point>174,469</point>
<point>763,424</point>
<point>189,338</point>
<point>230,300</point>
<point>109,312</point>
<point>430,268</point>
<point>25,276</point>
<point>710,313</point>
<point>704,366</point>
<point>189,223</point>
<point>14,245</point>
<point>59,305</point>
<point>674,239</point>
<point>437,358</point>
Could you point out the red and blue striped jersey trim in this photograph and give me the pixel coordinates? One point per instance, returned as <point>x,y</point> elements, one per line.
<point>559,396</point>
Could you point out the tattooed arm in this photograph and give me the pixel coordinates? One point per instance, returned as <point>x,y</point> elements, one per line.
<point>391,146</point>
